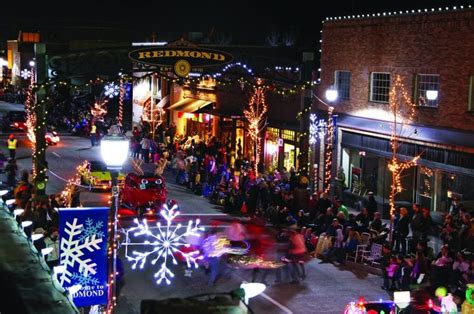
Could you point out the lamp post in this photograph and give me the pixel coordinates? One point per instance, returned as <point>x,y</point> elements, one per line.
<point>114,151</point>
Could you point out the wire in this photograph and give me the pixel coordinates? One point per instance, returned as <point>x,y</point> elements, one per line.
<point>67,181</point>
<point>322,101</point>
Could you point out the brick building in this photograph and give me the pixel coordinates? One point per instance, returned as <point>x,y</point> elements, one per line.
<point>430,51</point>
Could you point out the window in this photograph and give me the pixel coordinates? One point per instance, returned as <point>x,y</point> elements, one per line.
<point>343,84</point>
<point>470,101</point>
<point>30,37</point>
<point>424,83</point>
<point>379,87</point>
<point>288,135</point>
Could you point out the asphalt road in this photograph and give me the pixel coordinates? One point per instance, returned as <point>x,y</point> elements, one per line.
<point>326,289</point>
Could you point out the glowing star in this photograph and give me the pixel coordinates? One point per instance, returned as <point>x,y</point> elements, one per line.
<point>25,74</point>
<point>167,243</point>
<point>111,90</point>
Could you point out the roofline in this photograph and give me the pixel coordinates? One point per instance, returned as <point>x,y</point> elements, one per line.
<point>399,13</point>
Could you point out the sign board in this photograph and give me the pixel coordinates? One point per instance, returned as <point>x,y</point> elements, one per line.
<point>83,253</point>
<point>181,60</point>
<point>280,142</point>
<point>355,180</point>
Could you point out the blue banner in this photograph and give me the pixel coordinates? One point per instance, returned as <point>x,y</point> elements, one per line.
<point>83,253</point>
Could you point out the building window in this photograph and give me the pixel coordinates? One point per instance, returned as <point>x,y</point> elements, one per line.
<point>470,101</point>
<point>343,84</point>
<point>288,135</point>
<point>425,83</point>
<point>379,87</point>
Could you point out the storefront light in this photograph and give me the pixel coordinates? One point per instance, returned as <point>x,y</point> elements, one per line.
<point>272,148</point>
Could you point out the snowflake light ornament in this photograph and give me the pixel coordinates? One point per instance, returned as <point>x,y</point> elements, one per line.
<point>25,74</point>
<point>167,242</point>
<point>111,90</point>
<point>73,245</point>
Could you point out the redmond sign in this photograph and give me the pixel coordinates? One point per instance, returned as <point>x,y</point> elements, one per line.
<point>181,60</point>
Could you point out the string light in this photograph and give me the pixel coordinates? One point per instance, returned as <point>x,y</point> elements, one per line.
<point>30,108</point>
<point>121,100</point>
<point>405,115</point>
<point>329,147</point>
<point>255,116</point>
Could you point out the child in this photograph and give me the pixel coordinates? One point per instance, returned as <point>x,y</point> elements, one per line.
<point>392,272</point>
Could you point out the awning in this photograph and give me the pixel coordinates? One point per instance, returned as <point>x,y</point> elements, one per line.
<point>189,105</point>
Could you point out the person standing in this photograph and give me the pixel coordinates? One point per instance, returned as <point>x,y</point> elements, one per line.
<point>93,134</point>
<point>11,170</point>
<point>11,144</point>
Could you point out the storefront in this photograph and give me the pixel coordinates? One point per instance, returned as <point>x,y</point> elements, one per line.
<point>440,176</point>
<point>281,148</point>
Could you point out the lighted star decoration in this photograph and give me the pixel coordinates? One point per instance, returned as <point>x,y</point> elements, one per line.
<point>25,74</point>
<point>111,90</point>
<point>167,241</point>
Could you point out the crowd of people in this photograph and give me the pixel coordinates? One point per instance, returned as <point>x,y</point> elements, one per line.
<point>324,224</point>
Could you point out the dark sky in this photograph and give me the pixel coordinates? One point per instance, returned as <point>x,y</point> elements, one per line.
<point>245,20</point>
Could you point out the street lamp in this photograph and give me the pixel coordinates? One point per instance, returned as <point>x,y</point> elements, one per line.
<point>331,94</point>
<point>114,151</point>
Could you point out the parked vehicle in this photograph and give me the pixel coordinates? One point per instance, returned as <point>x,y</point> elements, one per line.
<point>15,121</point>
<point>144,193</point>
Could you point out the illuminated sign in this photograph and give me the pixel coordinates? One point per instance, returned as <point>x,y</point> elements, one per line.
<point>180,60</point>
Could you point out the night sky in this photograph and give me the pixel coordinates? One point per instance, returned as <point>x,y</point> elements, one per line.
<point>245,21</point>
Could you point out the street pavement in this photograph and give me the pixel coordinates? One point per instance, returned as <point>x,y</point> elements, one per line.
<point>326,289</point>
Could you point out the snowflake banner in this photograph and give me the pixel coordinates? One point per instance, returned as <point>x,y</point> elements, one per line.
<point>83,252</point>
<point>170,244</point>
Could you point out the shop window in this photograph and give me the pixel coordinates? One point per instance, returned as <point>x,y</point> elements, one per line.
<point>379,87</point>
<point>288,135</point>
<point>425,187</point>
<point>273,132</point>
<point>343,84</point>
<point>426,83</point>
<point>453,187</point>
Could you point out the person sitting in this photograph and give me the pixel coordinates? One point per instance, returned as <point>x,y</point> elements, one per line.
<point>363,220</point>
<point>353,239</point>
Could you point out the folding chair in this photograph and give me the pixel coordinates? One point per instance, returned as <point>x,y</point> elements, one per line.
<point>362,248</point>
<point>375,254</point>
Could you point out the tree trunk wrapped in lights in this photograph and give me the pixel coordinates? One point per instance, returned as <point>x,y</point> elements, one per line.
<point>255,114</point>
<point>31,116</point>
<point>403,111</point>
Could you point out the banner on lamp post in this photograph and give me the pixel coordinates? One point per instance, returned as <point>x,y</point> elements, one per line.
<point>83,253</point>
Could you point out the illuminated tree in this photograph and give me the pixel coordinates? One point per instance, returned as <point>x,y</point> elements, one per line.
<point>403,111</point>
<point>255,114</point>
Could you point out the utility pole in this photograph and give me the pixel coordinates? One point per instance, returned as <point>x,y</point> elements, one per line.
<point>39,159</point>
<point>305,107</point>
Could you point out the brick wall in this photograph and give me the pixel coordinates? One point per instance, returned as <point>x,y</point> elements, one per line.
<point>438,43</point>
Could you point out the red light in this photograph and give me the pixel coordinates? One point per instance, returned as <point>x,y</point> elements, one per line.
<point>430,303</point>
<point>361,301</point>
<point>16,123</point>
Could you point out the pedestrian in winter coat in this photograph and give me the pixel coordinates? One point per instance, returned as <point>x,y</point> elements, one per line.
<point>10,169</point>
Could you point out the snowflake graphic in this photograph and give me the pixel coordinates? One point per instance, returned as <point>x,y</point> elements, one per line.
<point>91,230</point>
<point>25,74</point>
<point>167,242</point>
<point>73,250</point>
<point>111,90</point>
<point>84,280</point>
